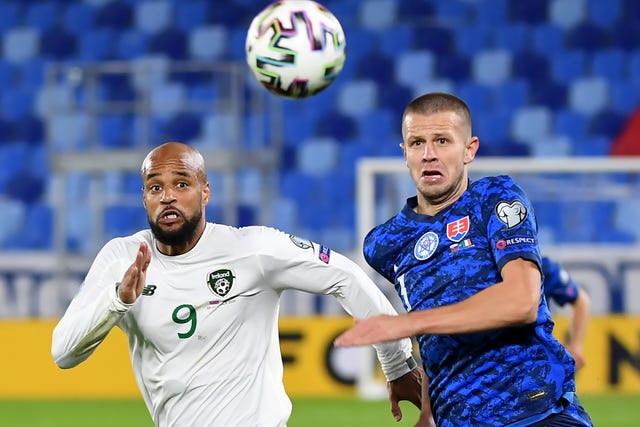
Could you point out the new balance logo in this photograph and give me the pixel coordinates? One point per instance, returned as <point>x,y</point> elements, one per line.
<point>149,290</point>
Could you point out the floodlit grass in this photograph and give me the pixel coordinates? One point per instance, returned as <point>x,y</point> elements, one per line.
<point>606,411</point>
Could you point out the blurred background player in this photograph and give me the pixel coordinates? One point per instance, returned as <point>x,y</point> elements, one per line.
<point>559,287</point>
<point>199,302</point>
<point>464,258</point>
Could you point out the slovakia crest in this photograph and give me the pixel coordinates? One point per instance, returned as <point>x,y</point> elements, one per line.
<point>456,230</point>
<point>426,246</point>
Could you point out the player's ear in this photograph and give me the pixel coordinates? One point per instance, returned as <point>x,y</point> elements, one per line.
<point>206,193</point>
<point>404,152</point>
<point>471,149</point>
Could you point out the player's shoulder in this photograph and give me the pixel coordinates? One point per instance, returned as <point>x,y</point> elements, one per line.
<point>131,241</point>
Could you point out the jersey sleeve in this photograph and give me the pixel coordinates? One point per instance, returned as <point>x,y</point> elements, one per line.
<point>294,263</point>
<point>94,310</point>
<point>557,283</point>
<point>512,228</point>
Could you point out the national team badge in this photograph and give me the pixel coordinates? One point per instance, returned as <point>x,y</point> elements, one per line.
<point>221,281</point>
<point>300,242</point>
<point>456,230</point>
<point>511,214</point>
<point>426,246</point>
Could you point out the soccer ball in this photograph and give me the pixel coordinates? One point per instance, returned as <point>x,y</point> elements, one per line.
<point>295,48</point>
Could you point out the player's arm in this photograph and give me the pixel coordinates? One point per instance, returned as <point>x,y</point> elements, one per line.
<point>99,305</point>
<point>580,310</point>
<point>292,263</point>
<point>512,302</point>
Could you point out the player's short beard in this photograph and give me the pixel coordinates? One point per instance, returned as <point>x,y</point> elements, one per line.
<point>178,237</point>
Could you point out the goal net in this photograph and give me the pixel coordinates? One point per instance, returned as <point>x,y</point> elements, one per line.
<point>588,212</point>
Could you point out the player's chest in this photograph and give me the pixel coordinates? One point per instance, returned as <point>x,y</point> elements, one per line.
<point>177,306</point>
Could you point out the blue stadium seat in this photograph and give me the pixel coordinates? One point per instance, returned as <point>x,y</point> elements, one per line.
<point>167,98</point>
<point>284,213</point>
<point>57,44</point>
<point>207,42</point>
<point>491,67</point>
<point>605,14</point>
<point>122,220</point>
<point>411,66</point>
<point>115,15</point>
<point>608,123</point>
<point>548,40</point>
<point>116,130</point>
<point>438,39</point>
<point>588,37</point>
<point>454,67</point>
<point>566,66</point>
<point>78,18</point>
<point>38,232</point>
<point>568,14</point>
<point>492,126</point>
<point>32,72</point>
<point>531,66</point>
<point>415,11</point>
<point>377,125</point>
<point>171,42</point>
<point>532,124</point>
<point>625,96</point>
<point>69,131</point>
<point>392,42</point>
<point>11,15</point>
<point>20,44</point>
<point>596,145</point>
<point>13,218</point>
<point>184,127</point>
<point>17,102</point>
<point>190,16</point>
<point>376,67</point>
<point>513,37</point>
<point>14,160</point>
<point>495,12</point>
<point>552,146</point>
<point>318,156</point>
<point>342,127</point>
<point>454,13</point>
<point>570,123</point>
<point>549,93</point>
<point>478,96</point>
<point>219,130</point>
<point>589,95</point>
<point>377,14</point>
<point>357,97</point>
<point>97,45</point>
<point>532,12</point>
<point>511,95</point>
<point>41,15</point>
<point>131,44</point>
<point>471,40</point>
<point>610,64</point>
<point>249,186</point>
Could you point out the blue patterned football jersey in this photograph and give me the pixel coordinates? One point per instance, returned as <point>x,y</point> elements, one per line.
<point>497,377</point>
<point>558,284</point>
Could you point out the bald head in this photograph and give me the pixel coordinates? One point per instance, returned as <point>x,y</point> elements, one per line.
<point>178,154</point>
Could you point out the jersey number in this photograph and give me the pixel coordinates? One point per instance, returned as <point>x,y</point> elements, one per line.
<point>185,313</point>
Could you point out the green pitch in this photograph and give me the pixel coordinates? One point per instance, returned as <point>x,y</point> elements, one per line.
<point>606,411</point>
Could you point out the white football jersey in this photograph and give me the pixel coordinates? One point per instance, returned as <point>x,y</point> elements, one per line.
<point>203,335</point>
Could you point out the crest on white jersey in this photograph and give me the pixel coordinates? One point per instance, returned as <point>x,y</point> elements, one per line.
<point>221,281</point>
<point>511,213</point>
<point>300,242</point>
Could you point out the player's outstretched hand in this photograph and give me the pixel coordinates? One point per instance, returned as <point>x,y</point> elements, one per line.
<point>413,387</point>
<point>375,330</point>
<point>133,281</point>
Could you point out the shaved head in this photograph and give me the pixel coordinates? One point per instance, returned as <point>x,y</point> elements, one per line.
<point>178,153</point>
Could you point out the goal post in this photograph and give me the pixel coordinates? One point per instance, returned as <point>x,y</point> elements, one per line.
<point>587,210</point>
